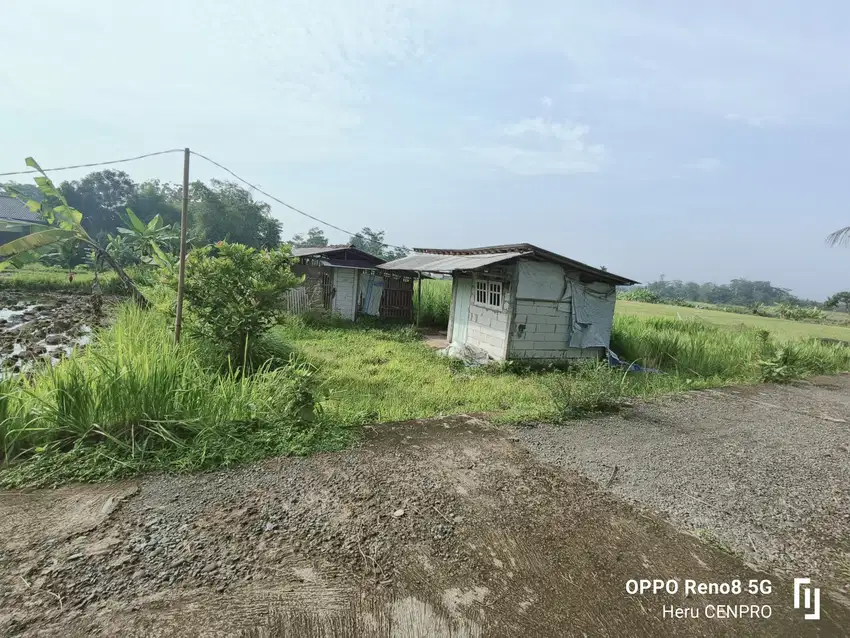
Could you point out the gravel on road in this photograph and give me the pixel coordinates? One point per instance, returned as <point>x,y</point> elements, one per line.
<point>761,471</point>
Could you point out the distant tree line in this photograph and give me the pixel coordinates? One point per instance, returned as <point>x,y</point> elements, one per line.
<point>367,240</point>
<point>218,210</point>
<point>739,292</point>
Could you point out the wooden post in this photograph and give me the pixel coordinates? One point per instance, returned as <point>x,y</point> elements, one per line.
<point>419,302</point>
<point>184,223</point>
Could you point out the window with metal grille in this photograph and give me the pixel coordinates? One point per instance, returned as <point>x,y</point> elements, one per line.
<point>495,294</point>
<point>481,292</point>
<point>488,293</point>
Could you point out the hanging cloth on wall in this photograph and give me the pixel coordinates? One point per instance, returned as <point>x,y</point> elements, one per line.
<point>372,289</point>
<point>591,315</point>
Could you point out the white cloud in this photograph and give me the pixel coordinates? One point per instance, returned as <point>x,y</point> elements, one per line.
<point>292,80</point>
<point>542,147</point>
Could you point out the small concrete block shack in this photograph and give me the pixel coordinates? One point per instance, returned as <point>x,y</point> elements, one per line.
<point>522,302</point>
<point>345,280</point>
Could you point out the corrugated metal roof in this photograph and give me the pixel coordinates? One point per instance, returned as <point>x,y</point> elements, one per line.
<point>447,263</point>
<point>449,259</point>
<point>14,209</point>
<point>306,251</point>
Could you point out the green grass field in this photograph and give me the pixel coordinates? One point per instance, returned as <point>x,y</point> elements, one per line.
<point>377,375</point>
<point>781,328</point>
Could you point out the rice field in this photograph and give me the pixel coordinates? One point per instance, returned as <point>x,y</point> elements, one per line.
<point>782,328</point>
<point>437,298</point>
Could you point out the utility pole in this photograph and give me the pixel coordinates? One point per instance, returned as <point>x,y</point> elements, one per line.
<point>184,223</point>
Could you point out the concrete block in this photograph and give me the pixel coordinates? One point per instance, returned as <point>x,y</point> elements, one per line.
<point>545,328</point>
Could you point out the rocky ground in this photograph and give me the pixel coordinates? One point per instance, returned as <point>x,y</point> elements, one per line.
<point>42,326</point>
<point>762,471</point>
<point>436,528</point>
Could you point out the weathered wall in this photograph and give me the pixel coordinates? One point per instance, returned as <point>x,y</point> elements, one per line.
<point>541,331</point>
<point>345,295</point>
<point>488,327</point>
<point>541,325</point>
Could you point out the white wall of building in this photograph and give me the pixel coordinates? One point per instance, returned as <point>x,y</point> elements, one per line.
<point>487,327</point>
<point>534,320</point>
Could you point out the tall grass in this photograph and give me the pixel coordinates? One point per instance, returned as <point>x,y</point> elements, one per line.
<point>694,349</point>
<point>135,401</point>
<point>436,302</point>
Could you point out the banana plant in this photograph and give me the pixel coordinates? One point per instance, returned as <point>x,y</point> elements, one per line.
<point>61,223</point>
<point>148,240</point>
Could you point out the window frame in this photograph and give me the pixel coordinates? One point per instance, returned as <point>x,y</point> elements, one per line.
<point>488,288</point>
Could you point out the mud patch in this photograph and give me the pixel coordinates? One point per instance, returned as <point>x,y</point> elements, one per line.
<point>31,518</point>
<point>43,327</point>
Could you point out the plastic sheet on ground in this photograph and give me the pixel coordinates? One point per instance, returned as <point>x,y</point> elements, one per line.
<point>615,362</point>
<point>470,355</point>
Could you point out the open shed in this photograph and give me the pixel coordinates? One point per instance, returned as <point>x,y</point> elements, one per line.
<point>345,280</point>
<point>519,301</point>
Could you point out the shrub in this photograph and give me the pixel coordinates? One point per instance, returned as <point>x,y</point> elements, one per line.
<point>783,364</point>
<point>644,295</point>
<point>588,387</point>
<point>799,313</point>
<point>234,292</point>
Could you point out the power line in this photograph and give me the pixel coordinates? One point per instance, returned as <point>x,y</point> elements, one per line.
<point>95,164</point>
<point>283,203</point>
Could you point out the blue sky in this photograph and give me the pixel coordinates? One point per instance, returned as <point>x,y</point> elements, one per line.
<point>704,141</point>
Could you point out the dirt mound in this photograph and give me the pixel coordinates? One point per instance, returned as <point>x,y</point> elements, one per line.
<point>428,528</point>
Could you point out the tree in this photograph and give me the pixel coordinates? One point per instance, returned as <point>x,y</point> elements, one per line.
<point>152,198</point>
<point>104,195</point>
<point>62,223</point>
<point>315,237</point>
<point>372,242</point>
<point>839,300</point>
<point>840,237</point>
<point>226,211</point>
<point>149,242</point>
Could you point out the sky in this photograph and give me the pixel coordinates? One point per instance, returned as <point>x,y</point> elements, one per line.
<point>701,141</point>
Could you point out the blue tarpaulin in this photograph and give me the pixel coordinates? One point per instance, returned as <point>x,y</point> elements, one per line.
<point>615,362</point>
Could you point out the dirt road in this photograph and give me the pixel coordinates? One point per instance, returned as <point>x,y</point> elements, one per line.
<point>438,528</point>
<point>763,471</point>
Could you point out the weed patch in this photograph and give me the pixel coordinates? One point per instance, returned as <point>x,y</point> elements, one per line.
<point>134,401</point>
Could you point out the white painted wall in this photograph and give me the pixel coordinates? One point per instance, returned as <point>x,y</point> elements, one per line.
<point>488,327</point>
<point>345,297</point>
